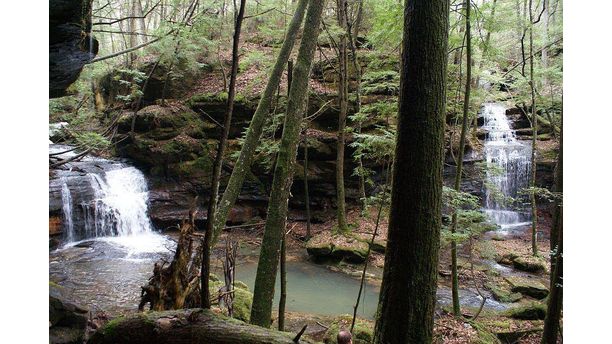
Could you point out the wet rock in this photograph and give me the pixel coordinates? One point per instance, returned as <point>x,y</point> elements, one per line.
<point>67,320</point>
<point>527,286</point>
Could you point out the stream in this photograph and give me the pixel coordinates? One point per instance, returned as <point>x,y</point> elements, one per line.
<point>106,274</point>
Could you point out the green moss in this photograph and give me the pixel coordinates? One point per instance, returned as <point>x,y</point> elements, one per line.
<point>503,293</point>
<point>531,311</point>
<point>110,327</point>
<point>216,98</point>
<point>527,286</point>
<point>243,299</point>
<point>530,264</point>
<point>484,335</point>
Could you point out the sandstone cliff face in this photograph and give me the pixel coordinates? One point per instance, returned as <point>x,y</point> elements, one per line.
<point>70,45</point>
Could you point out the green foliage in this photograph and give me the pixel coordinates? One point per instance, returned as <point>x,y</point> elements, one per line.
<point>386,19</point>
<point>380,82</point>
<point>93,141</point>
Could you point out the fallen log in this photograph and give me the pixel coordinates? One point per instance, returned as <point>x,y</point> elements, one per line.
<point>185,327</point>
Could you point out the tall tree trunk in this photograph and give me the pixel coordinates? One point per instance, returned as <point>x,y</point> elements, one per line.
<point>141,20</point>
<point>464,129</point>
<point>283,258</point>
<point>555,299</point>
<point>407,296</point>
<point>216,177</point>
<point>534,140</point>
<point>485,50</point>
<point>306,193</point>
<point>283,285</point>
<point>557,221</point>
<point>545,19</point>
<point>283,172</point>
<point>133,29</point>
<point>256,126</point>
<point>343,104</point>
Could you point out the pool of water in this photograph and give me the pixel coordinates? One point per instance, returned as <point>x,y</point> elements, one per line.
<point>107,273</point>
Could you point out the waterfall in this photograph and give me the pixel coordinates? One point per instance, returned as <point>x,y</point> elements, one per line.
<point>509,166</point>
<point>120,204</point>
<point>67,210</point>
<point>117,206</point>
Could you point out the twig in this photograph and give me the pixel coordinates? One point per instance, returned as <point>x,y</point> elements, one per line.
<point>126,18</point>
<point>260,13</point>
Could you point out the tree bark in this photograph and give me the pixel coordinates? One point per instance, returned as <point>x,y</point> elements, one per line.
<point>407,297</point>
<point>555,299</point>
<point>216,177</point>
<point>534,140</point>
<point>283,171</point>
<point>464,129</point>
<point>343,104</point>
<point>185,327</point>
<point>256,126</point>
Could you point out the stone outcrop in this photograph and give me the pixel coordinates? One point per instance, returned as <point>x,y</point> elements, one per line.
<point>70,45</point>
<point>67,320</point>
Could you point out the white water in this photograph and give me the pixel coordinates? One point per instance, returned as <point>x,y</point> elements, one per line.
<point>117,214</point>
<point>511,164</point>
<point>67,209</point>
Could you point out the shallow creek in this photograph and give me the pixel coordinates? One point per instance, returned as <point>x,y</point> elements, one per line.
<point>106,274</point>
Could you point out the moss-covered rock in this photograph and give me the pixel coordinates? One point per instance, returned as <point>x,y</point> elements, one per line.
<point>530,311</point>
<point>353,252</point>
<point>243,299</point>
<point>529,264</point>
<point>527,286</point>
<point>501,292</point>
<point>343,247</point>
<point>319,249</point>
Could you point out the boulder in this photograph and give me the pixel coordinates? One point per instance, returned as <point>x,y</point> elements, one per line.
<point>529,264</point>
<point>501,292</point>
<point>67,320</point>
<point>527,286</point>
<point>531,311</point>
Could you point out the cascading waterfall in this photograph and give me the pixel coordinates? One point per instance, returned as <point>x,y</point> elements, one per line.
<point>508,171</point>
<point>67,209</point>
<point>119,207</point>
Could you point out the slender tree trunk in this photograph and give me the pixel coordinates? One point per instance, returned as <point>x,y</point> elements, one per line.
<point>216,177</point>
<point>485,51</point>
<point>256,126</point>
<point>408,290</point>
<point>143,26</point>
<point>534,140</point>
<point>283,285</point>
<point>283,172</point>
<point>133,29</point>
<point>343,103</point>
<point>545,19</point>
<point>306,193</point>
<point>464,129</point>
<point>283,258</point>
<point>557,223</point>
<point>555,299</point>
